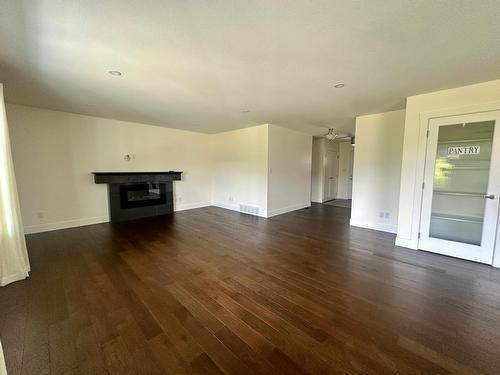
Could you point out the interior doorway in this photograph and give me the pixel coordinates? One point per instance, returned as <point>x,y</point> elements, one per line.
<point>332,168</point>
<point>331,174</point>
<point>461,185</point>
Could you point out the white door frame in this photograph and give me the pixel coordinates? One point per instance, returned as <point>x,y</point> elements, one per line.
<point>409,237</point>
<point>424,117</point>
<point>483,253</point>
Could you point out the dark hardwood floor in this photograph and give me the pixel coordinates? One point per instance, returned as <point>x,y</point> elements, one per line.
<point>210,291</point>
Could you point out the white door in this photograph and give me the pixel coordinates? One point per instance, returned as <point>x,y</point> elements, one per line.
<point>331,174</point>
<point>345,149</point>
<point>461,186</point>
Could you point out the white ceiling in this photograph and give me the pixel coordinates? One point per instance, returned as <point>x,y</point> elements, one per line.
<point>196,65</point>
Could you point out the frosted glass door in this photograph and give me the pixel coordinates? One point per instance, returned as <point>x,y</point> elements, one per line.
<point>460,215</point>
<point>461,173</point>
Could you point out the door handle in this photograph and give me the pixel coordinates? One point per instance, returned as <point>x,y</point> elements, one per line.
<point>490,196</point>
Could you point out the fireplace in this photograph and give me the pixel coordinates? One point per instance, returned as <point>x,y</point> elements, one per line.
<point>141,195</point>
<point>134,195</point>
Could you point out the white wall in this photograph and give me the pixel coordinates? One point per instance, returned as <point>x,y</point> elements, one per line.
<point>289,167</point>
<point>265,166</point>
<point>377,170</point>
<point>55,152</point>
<point>468,99</point>
<point>239,160</point>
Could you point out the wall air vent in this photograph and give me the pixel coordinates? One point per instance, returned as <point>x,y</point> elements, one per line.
<point>248,209</point>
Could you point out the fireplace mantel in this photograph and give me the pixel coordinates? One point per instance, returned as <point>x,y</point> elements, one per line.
<point>134,195</point>
<point>131,177</point>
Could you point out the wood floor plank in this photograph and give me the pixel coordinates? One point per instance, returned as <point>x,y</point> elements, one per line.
<point>166,354</point>
<point>212,291</point>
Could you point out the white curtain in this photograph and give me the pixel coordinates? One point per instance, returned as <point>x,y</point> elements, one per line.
<point>14,262</point>
<point>3,369</point>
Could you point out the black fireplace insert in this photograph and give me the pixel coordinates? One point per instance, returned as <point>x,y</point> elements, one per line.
<point>134,195</point>
<point>141,195</point>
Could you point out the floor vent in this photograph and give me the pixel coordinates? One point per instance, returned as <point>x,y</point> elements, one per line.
<point>247,209</point>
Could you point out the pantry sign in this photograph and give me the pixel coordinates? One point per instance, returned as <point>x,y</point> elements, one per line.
<point>464,150</point>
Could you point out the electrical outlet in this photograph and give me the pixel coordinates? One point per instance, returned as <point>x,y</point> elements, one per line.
<point>40,215</point>
<point>387,215</point>
<point>230,199</point>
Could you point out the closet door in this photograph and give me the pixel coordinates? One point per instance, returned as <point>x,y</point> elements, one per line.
<point>461,186</point>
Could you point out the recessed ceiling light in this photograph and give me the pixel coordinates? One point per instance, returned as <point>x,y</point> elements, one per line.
<point>244,111</point>
<point>339,85</point>
<point>114,72</point>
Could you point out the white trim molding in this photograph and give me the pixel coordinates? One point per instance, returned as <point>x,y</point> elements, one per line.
<point>496,261</point>
<point>236,207</point>
<point>383,227</point>
<point>407,243</point>
<point>284,210</point>
<point>227,206</point>
<point>316,201</point>
<point>46,227</point>
<point>190,206</point>
<point>418,177</point>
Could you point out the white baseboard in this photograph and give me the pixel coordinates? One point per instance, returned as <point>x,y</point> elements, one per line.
<point>407,242</point>
<point>496,262</point>
<point>236,207</point>
<point>227,206</point>
<point>384,227</point>
<point>16,277</point>
<point>190,206</point>
<point>322,200</point>
<point>46,227</point>
<point>284,210</point>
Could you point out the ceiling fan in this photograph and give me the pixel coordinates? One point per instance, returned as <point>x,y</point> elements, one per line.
<point>334,134</point>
